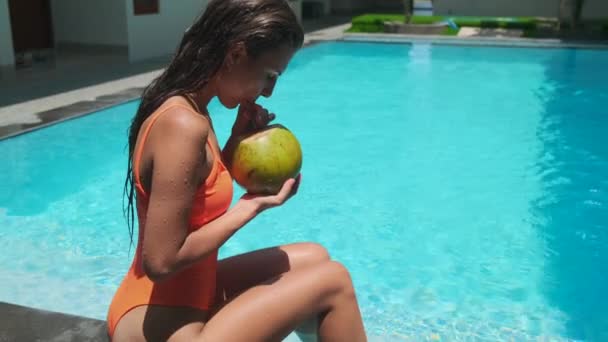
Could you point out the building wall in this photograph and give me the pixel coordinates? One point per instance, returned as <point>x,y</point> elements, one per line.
<point>389,5</point>
<point>347,6</point>
<point>595,9</point>
<point>159,34</point>
<point>592,9</point>
<point>7,56</point>
<point>327,6</point>
<point>112,22</point>
<point>90,22</point>
<point>545,8</point>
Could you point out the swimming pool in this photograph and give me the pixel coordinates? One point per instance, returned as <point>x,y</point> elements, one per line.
<point>466,188</point>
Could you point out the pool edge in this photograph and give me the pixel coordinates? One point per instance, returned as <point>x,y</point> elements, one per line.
<point>71,111</point>
<point>473,41</point>
<point>21,323</point>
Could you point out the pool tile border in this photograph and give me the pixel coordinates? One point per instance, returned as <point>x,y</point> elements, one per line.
<point>71,111</point>
<point>473,41</point>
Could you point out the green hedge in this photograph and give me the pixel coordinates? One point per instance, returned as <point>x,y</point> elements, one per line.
<point>375,22</point>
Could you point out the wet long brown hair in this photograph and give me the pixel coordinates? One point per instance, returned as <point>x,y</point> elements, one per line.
<point>260,24</point>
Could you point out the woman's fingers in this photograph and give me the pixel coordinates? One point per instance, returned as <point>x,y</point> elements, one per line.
<point>252,116</point>
<point>262,117</point>
<point>290,187</point>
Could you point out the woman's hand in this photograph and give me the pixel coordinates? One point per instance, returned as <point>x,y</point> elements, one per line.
<point>259,203</point>
<point>251,116</point>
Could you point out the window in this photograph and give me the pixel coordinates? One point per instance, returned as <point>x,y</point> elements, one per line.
<point>141,7</point>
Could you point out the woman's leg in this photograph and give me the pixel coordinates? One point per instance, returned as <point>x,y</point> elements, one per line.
<point>240,272</point>
<point>235,274</point>
<point>265,312</point>
<point>271,310</point>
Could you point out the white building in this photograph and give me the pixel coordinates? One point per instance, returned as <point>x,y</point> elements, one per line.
<point>43,25</point>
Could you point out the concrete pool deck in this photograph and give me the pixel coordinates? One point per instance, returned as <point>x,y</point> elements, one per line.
<point>19,323</point>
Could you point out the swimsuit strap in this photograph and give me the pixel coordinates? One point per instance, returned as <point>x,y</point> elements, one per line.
<point>144,137</point>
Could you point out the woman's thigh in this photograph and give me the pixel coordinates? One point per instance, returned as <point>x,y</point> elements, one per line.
<point>240,272</point>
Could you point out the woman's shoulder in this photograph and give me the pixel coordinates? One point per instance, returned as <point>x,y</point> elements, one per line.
<point>177,104</point>
<point>177,119</point>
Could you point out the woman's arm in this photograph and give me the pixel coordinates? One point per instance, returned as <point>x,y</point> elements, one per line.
<point>179,157</point>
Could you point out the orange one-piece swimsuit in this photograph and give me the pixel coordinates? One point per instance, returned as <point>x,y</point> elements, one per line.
<point>193,286</point>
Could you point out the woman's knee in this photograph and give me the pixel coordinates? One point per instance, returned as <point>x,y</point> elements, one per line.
<point>306,254</point>
<point>316,251</point>
<point>340,276</point>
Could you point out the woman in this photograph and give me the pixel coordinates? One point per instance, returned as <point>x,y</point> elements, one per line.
<point>176,288</point>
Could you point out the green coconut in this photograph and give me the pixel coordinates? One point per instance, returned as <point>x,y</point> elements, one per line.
<point>262,161</point>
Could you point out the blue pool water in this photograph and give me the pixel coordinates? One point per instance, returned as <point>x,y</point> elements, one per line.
<point>466,188</point>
